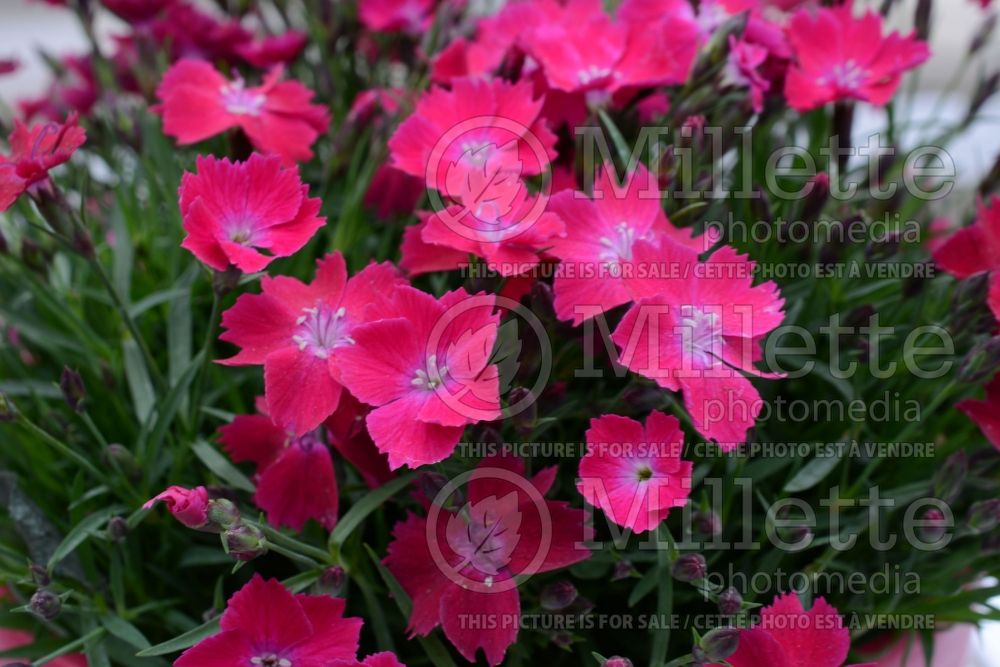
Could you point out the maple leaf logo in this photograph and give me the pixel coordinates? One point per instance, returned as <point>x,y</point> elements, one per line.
<point>486,180</point>
<point>485,534</point>
<point>506,354</point>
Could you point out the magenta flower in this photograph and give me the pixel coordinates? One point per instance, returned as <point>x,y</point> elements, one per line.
<point>841,57</point>
<point>634,472</point>
<point>274,50</point>
<point>424,364</point>
<point>582,49</point>
<point>384,659</point>
<point>347,433</point>
<point>597,250</point>
<point>265,625</point>
<point>487,129</point>
<point>234,210</point>
<point>511,239</point>
<point>298,332</point>
<point>976,249</point>
<point>197,102</point>
<point>986,413</point>
<point>409,16</point>
<point>189,506</point>
<point>789,636</point>
<point>295,478</point>
<point>33,152</point>
<point>464,565</point>
<point>696,327</point>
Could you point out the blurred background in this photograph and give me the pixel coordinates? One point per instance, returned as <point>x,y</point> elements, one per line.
<point>938,95</point>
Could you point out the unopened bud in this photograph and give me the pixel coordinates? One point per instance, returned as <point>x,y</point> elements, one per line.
<point>332,581</point>
<point>245,542</point>
<point>730,602</point>
<point>432,485</point>
<point>983,516</point>
<point>819,194</point>
<point>950,477</point>
<point>558,595</point>
<point>708,524</point>
<point>7,413</point>
<point>223,513</point>
<point>934,525</point>
<point>720,643</point>
<point>623,570</point>
<point>526,415</point>
<point>690,567</point>
<point>118,529</point>
<point>45,604</point>
<point>39,575</point>
<point>119,457</point>
<point>981,362</point>
<point>617,661</point>
<point>224,282</point>
<point>73,390</point>
<point>643,397</point>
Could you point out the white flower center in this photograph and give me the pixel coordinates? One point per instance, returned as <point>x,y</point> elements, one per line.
<point>701,336</point>
<point>320,330</point>
<point>238,100</point>
<point>270,660</point>
<point>592,73</point>
<point>619,246</point>
<point>431,378</point>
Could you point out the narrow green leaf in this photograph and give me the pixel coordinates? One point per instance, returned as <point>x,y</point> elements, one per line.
<point>181,642</point>
<point>221,466</point>
<point>81,532</point>
<point>368,504</point>
<point>125,631</point>
<point>139,384</point>
<point>811,474</point>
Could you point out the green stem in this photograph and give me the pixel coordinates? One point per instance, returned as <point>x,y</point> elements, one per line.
<point>130,323</point>
<point>70,647</point>
<point>58,445</point>
<point>664,597</point>
<point>196,414</point>
<point>275,536</point>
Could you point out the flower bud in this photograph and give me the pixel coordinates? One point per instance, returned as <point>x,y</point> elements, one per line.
<point>643,397</point>
<point>73,390</point>
<point>983,516</point>
<point>39,575</point>
<point>7,413</point>
<point>730,602</point>
<point>819,194</point>
<point>332,581</point>
<point>119,457</point>
<point>45,604</point>
<point>118,529</point>
<point>245,542</point>
<point>623,570</point>
<point>189,506</point>
<point>526,416</point>
<point>222,513</point>
<point>224,282</point>
<point>981,362</point>
<point>934,526</point>
<point>558,595</point>
<point>690,567</point>
<point>950,477</point>
<point>617,661</point>
<point>720,643</point>
<point>707,524</point>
